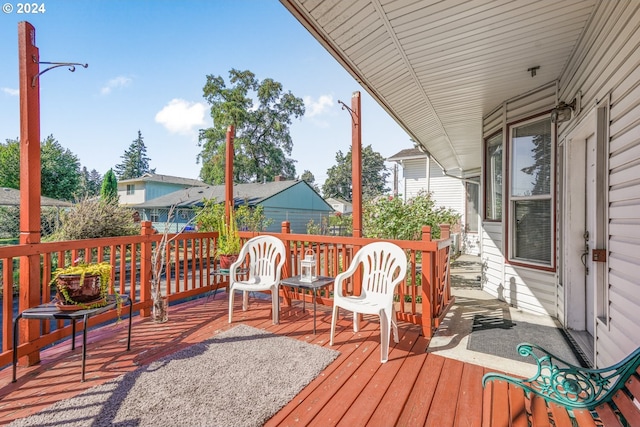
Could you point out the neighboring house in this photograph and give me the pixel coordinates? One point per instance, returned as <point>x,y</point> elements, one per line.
<point>340,205</point>
<point>150,186</point>
<point>11,197</point>
<point>421,173</point>
<point>542,99</point>
<point>293,201</point>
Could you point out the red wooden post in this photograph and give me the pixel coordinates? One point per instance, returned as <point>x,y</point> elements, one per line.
<point>356,164</point>
<point>28,58</point>
<point>427,285</point>
<point>146,256</point>
<point>445,231</point>
<point>228,173</point>
<point>7,302</point>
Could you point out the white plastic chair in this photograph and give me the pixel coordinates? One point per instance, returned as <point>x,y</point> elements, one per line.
<point>266,256</point>
<point>384,265</point>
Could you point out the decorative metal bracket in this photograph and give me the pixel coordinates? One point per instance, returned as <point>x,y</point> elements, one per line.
<point>346,107</point>
<point>71,65</point>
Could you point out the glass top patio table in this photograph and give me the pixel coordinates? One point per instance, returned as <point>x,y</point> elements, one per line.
<point>318,283</point>
<point>50,311</point>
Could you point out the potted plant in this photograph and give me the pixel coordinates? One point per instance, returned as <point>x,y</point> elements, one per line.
<point>82,285</point>
<point>211,217</point>
<point>229,243</point>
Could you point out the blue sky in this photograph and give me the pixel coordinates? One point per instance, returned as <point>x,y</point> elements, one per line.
<point>148,62</point>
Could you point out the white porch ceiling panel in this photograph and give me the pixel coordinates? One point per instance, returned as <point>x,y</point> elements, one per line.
<point>438,66</point>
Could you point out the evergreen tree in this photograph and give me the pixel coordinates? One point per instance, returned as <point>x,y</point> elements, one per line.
<point>135,162</point>
<point>109,189</point>
<point>95,183</point>
<point>90,183</point>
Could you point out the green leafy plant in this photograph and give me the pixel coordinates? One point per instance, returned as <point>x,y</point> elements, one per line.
<point>81,270</point>
<point>211,217</point>
<point>229,242</point>
<point>389,217</point>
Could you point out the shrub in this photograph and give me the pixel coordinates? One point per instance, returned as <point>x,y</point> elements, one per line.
<point>90,219</point>
<point>388,217</point>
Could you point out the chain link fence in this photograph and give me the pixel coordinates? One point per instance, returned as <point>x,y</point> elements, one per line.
<point>10,222</point>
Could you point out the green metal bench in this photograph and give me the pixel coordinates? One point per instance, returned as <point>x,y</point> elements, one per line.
<point>612,394</point>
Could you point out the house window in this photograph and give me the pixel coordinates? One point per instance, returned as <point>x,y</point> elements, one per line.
<point>531,216</point>
<point>155,216</point>
<point>131,188</point>
<point>471,206</point>
<point>493,178</point>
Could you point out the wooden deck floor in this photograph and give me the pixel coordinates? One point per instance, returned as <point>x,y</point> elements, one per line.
<point>413,388</point>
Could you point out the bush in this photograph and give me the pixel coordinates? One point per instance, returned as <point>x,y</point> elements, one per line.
<point>92,219</point>
<point>388,217</point>
<point>248,218</point>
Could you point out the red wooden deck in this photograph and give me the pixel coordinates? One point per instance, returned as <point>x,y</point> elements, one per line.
<point>413,388</point>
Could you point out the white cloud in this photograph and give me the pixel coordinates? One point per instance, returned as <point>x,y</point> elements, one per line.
<point>180,116</point>
<point>9,91</point>
<point>120,81</point>
<point>316,108</point>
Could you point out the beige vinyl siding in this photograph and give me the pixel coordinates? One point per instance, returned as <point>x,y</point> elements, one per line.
<point>528,289</point>
<point>605,68</point>
<point>445,190</point>
<point>415,177</point>
<point>492,258</point>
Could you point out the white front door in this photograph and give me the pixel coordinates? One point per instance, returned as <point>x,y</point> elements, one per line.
<point>582,224</point>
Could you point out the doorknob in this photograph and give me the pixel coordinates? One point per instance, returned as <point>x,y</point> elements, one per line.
<point>584,255</point>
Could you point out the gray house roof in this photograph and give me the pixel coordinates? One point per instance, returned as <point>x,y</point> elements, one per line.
<point>149,177</point>
<point>252,193</point>
<point>11,197</point>
<point>406,154</point>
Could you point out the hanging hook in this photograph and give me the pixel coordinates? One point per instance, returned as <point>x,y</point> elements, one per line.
<point>346,107</point>
<point>71,65</point>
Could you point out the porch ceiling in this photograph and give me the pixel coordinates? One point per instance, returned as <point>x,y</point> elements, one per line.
<point>437,67</point>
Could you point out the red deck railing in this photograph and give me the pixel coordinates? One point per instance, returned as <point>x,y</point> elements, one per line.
<point>423,297</point>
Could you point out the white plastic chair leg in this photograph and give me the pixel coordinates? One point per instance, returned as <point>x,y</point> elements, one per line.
<point>245,300</point>
<point>334,319</point>
<point>356,322</point>
<point>384,337</point>
<point>230,306</point>
<point>394,324</point>
<point>275,305</point>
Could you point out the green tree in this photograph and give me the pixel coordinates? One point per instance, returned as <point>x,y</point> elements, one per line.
<point>109,189</point>
<point>10,164</point>
<point>60,168</point>
<point>135,161</point>
<point>308,177</point>
<point>374,176</point>
<point>262,114</point>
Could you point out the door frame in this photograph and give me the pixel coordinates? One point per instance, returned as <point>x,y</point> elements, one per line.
<point>573,178</point>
